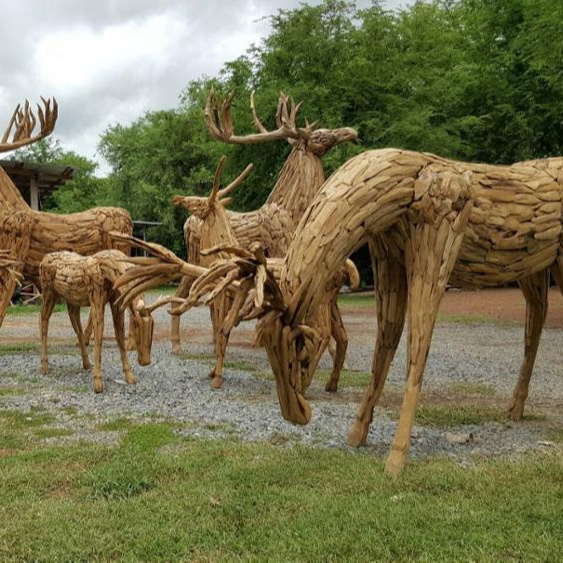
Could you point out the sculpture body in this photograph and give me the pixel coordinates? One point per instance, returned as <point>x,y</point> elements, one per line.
<point>88,281</point>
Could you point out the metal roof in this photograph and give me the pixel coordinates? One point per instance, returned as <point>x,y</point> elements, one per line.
<point>47,176</point>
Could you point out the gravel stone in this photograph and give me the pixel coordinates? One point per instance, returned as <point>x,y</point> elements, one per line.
<point>177,388</point>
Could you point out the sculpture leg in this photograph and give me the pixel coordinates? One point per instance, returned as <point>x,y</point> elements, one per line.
<point>74,314</point>
<point>182,291</point>
<point>430,253</point>
<point>131,342</point>
<point>390,281</point>
<point>219,310</point>
<point>88,329</point>
<point>119,329</point>
<point>341,338</point>
<point>97,303</point>
<point>535,289</point>
<point>46,311</point>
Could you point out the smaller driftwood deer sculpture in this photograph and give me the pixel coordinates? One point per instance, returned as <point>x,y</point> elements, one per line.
<point>88,281</point>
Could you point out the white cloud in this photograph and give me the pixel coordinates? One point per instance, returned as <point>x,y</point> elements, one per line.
<point>109,61</point>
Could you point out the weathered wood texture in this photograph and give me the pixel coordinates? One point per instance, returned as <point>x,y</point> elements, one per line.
<point>429,222</point>
<point>84,233</point>
<point>88,281</point>
<point>301,176</point>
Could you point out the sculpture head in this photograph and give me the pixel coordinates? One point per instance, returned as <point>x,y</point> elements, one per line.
<point>322,140</point>
<point>143,329</point>
<point>291,340</point>
<point>217,200</point>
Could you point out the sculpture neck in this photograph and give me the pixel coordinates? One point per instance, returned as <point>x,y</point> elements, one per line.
<point>362,199</point>
<point>298,182</point>
<point>216,230</point>
<point>10,196</point>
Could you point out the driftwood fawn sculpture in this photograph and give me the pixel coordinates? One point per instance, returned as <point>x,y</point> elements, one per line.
<point>216,233</point>
<point>83,281</point>
<point>429,221</point>
<point>299,180</point>
<point>42,233</point>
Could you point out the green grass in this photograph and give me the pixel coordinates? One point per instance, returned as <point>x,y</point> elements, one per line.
<point>450,415</point>
<point>119,424</point>
<point>225,500</point>
<point>468,319</point>
<point>163,290</point>
<point>51,432</point>
<point>348,378</point>
<point>19,348</point>
<point>366,299</point>
<point>10,390</point>
<point>241,365</point>
<point>32,309</point>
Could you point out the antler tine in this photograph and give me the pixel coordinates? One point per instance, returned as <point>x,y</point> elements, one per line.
<point>23,122</point>
<point>217,179</point>
<point>219,122</point>
<point>257,122</point>
<point>236,182</point>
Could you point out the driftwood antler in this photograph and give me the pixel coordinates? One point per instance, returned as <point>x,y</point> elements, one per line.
<point>220,124</point>
<point>201,206</point>
<point>163,267</point>
<point>256,289</point>
<point>23,121</point>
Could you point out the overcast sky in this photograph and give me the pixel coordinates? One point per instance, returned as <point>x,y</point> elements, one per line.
<point>109,61</point>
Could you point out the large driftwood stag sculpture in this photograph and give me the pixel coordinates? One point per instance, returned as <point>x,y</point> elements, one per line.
<point>216,234</point>
<point>83,281</point>
<point>40,233</point>
<point>429,221</point>
<point>300,178</point>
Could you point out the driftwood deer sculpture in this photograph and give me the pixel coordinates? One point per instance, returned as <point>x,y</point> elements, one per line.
<point>83,281</point>
<point>429,221</point>
<point>40,233</point>
<point>301,176</point>
<point>216,234</point>
<point>214,231</point>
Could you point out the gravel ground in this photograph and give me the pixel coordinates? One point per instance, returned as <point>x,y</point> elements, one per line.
<point>246,408</point>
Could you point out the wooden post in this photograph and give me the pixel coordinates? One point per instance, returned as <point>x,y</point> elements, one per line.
<point>34,193</point>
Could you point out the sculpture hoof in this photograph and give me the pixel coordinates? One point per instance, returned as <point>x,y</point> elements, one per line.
<point>331,387</point>
<point>516,412</point>
<point>98,387</point>
<point>394,465</point>
<point>217,383</point>
<point>356,437</point>
<point>176,349</point>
